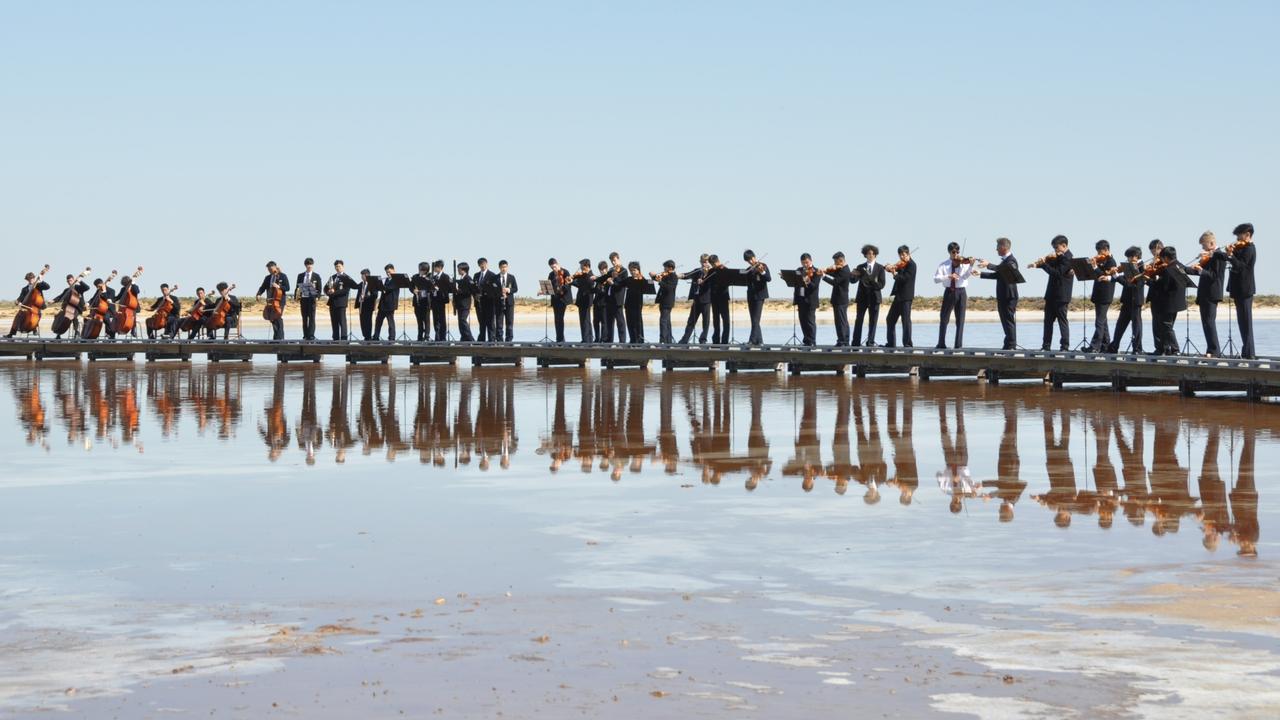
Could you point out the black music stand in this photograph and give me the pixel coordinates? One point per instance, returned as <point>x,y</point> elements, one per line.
<point>730,278</point>
<point>1084,271</point>
<point>544,288</point>
<point>401,281</point>
<point>792,279</point>
<point>1184,281</point>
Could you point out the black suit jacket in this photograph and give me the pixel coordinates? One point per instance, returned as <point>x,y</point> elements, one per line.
<point>1240,284</point>
<point>1061,282</point>
<point>666,296</point>
<point>367,294</point>
<point>511,285</point>
<point>1104,291</point>
<point>26,290</point>
<point>563,296</point>
<point>315,285</point>
<point>343,284</point>
<point>693,276</point>
<point>80,287</point>
<point>1005,291</point>
<point>282,281</point>
<point>1132,285</point>
<point>390,298</point>
<point>839,282</point>
<point>870,285</point>
<point>586,287</point>
<point>904,283</point>
<point>464,288</point>
<point>808,292</point>
<point>1212,278</point>
<point>617,289</point>
<point>758,284</point>
<point>1166,294</point>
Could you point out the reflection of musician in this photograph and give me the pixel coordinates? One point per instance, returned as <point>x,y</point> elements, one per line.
<point>1058,466</point>
<point>1134,470</point>
<point>310,434</point>
<point>1215,517</point>
<point>1169,480</point>
<point>807,462</point>
<point>1244,502</point>
<point>1009,484</point>
<point>308,291</point>
<point>1104,471</point>
<point>339,428</point>
<point>275,427</point>
<point>955,479</point>
<point>872,469</point>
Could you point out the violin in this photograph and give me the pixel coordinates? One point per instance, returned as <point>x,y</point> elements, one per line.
<point>70,310</point>
<point>218,319</point>
<point>1238,245</point>
<point>811,272</point>
<point>897,267</point>
<point>581,274</point>
<point>28,318</point>
<point>758,267</point>
<point>1154,268</point>
<point>160,318</point>
<point>1040,261</point>
<point>127,308</point>
<point>98,313</point>
<point>274,309</point>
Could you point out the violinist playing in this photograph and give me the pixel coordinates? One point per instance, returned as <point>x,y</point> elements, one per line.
<point>561,294</point>
<point>1057,294</point>
<point>903,293</point>
<point>699,299</point>
<point>167,312</point>
<point>1149,273</point>
<point>634,306</point>
<point>758,278</point>
<point>71,303</point>
<point>1133,286</point>
<point>1240,284</point>
<point>615,317</point>
<point>30,303</point>
<point>838,277</point>
<point>583,282</point>
<point>275,286</point>
<point>806,297</point>
<point>440,294</point>
<point>1211,266</point>
<point>715,281</point>
<point>600,303</point>
<point>667,281</point>
<point>1104,291</point>
<point>953,274</point>
<point>1167,292</point>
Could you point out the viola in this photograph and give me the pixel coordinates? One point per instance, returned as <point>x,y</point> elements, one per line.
<point>160,318</point>
<point>274,309</point>
<point>28,318</point>
<point>218,319</point>
<point>127,308</point>
<point>70,309</point>
<point>98,313</point>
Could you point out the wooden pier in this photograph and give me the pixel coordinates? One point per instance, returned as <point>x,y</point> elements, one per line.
<point>1190,374</point>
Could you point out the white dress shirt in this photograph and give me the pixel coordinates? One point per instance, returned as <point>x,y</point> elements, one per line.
<point>943,275</point>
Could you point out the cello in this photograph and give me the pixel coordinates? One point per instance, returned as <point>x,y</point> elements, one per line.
<point>218,319</point>
<point>274,309</point>
<point>28,318</point>
<point>98,313</point>
<point>194,317</point>
<point>70,311</point>
<point>127,308</point>
<point>160,318</point>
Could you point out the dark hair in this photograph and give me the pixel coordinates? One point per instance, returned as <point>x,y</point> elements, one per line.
<point>438,264</point>
<point>551,261</point>
<point>713,259</point>
<point>424,265</point>
<point>584,262</point>
<point>271,263</point>
<point>308,261</point>
<point>953,247</point>
<point>870,249</point>
<point>1152,245</point>
<point>1243,229</point>
<point>1102,245</point>
<point>805,256</point>
<point>99,281</point>
<point>748,255</point>
<point>1133,252</point>
<point>482,260</point>
<point>614,255</point>
<point>29,276</point>
<point>336,263</point>
<point>633,265</point>
<point>223,286</point>
<point>602,265</point>
<point>1169,252</point>
<point>838,255</point>
<point>904,249</point>
<point>164,286</point>
<point>1059,240</point>
<point>126,281</point>
<point>1004,242</point>
<point>199,290</point>
<point>463,266</point>
<point>389,266</point>
<point>503,262</point>
<point>669,264</point>
<point>365,271</point>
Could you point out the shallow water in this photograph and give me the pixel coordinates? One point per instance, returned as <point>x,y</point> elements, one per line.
<point>336,542</point>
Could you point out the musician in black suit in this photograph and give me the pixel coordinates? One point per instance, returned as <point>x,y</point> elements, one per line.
<point>717,280</point>
<point>275,278</point>
<point>102,292</point>
<point>1168,296</point>
<point>759,278</point>
<point>561,295</point>
<point>505,303</point>
<point>1104,291</point>
<point>616,289</point>
<point>699,300</point>
<point>1006,292</point>
<point>171,318</point>
<point>421,286</point>
<point>1154,247</point>
<point>338,289</point>
<point>440,300</point>
<point>838,277</point>
<point>601,325</point>
<point>903,293</point>
<point>388,303</point>
<point>667,281</point>
<point>233,313</point>
<point>307,291</point>
<point>871,281</point>
<point>464,294</point>
<point>1057,294</point>
<point>1211,266</point>
<point>485,304</point>
<point>806,298</point>
<point>1240,284</point>
<point>80,287</point>
<point>1132,287</point>
<point>584,283</point>
<point>634,306</point>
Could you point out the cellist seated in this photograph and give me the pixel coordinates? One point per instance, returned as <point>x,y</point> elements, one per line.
<point>27,308</point>
<point>220,319</point>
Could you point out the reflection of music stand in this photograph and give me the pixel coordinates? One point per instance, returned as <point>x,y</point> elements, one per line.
<point>1084,271</point>
<point>401,281</point>
<point>544,288</point>
<point>793,280</point>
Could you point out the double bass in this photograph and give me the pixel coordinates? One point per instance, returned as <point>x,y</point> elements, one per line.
<point>28,318</point>
<point>274,309</point>
<point>160,318</point>
<point>98,313</point>
<point>218,318</point>
<point>127,308</point>
<point>70,310</point>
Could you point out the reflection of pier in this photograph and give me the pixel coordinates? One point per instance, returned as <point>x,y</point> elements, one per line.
<point>1255,378</point>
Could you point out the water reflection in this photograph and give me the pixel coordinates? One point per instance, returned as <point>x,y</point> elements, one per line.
<point>1101,455</point>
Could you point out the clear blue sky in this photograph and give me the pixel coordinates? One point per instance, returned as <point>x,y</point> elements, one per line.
<point>201,139</point>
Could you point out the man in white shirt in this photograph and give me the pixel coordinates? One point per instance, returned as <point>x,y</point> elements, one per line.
<point>954,276</point>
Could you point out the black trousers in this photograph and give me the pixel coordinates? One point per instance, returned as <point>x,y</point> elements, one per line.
<point>665,335</point>
<point>1167,337</point>
<point>586,329</point>
<point>755,308</point>
<point>600,322</point>
<point>1055,312</point>
<point>898,310</point>
<point>865,309</point>
<point>464,321</point>
<point>506,318</point>
<point>1007,309</point>
<point>697,310</point>
<point>841,315</point>
<point>1130,315</point>
<point>720,321</point>
<point>557,313</point>
<point>808,312</point>
<point>1209,323</point>
<point>338,320</point>
<point>440,318</point>
<point>954,301</point>
<point>389,315</point>
<point>615,325</point>
<point>277,328</point>
<point>1244,316</point>
<point>635,323</point>
<point>172,325</point>
<point>366,321</point>
<point>484,316</point>
<point>307,306</point>
<point>422,314</point>
<point>1101,339</point>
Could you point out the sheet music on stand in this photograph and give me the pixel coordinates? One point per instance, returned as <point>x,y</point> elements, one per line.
<point>1009,273</point>
<point>544,287</point>
<point>1083,269</point>
<point>791,278</point>
<point>644,285</point>
<point>401,281</point>
<point>423,285</point>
